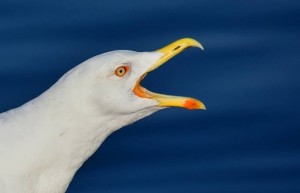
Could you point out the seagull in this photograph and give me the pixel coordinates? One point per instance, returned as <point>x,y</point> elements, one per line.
<point>45,141</point>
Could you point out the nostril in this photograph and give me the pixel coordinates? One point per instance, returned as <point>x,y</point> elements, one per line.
<point>176,48</point>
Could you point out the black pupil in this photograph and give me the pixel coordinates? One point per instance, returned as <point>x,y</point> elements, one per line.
<point>121,71</point>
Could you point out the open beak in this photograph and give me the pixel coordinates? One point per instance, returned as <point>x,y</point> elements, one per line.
<point>169,52</point>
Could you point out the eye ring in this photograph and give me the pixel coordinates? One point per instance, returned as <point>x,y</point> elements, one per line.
<point>121,71</point>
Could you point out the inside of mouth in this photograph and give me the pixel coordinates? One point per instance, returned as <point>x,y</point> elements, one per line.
<point>166,100</point>
<point>141,91</point>
<point>145,93</point>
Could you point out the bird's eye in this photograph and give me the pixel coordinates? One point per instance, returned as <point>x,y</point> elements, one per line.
<point>121,71</point>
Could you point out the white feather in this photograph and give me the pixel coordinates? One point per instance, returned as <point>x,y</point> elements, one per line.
<point>45,141</point>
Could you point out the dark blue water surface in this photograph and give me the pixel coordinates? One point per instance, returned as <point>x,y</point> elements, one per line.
<point>248,141</point>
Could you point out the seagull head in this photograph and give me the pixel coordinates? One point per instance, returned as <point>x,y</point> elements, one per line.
<point>56,132</point>
<point>111,82</point>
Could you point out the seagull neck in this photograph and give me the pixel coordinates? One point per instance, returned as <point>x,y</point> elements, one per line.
<point>57,137</point>
<point>53,135</point>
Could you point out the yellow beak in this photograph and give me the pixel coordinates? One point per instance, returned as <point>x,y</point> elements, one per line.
<point>169,52</point>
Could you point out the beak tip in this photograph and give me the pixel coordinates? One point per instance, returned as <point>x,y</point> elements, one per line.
<point>199,45</point>
<point>192,42</point>
<point>202,107</point>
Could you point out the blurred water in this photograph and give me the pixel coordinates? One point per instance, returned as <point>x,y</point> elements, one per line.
<point>248,77</point>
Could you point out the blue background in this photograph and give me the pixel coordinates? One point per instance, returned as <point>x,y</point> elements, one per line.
<point>248,141</point>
